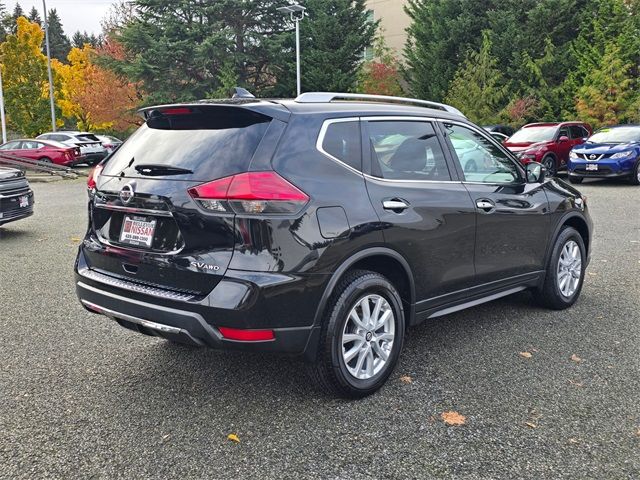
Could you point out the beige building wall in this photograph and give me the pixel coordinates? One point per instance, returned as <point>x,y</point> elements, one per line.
<point>393,21</point>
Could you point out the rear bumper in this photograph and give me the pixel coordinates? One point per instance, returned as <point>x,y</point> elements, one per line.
<point>257,302</point>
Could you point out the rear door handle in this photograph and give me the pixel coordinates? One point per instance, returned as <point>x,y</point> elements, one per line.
<point>485,205</point>
<point>396,205</point>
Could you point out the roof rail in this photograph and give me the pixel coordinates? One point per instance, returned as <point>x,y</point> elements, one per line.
<point>327,97</point>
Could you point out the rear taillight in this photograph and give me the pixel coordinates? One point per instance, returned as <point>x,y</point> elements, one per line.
<point>76,151</point>
<point>93,177</point>
<point>252,193</point>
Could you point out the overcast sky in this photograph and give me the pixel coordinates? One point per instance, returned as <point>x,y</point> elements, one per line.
<point>75,14</point>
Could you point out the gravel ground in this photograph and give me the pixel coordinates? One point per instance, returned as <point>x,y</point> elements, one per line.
<point>82,397</point>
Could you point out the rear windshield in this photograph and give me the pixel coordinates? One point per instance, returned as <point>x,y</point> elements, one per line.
<point>212,142</point>
<point>87,137</point>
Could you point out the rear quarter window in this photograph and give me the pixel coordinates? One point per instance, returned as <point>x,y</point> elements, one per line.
<point>212,142</point>
<point>342,141</point>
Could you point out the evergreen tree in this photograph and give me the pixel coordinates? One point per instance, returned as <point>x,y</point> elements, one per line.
<point>178,49</point>
<point>34,16</point>
<point>333,38</point>
<point>11,21</point>
<point>606,97</point>
<point>438,37</point>
<point>477,88</point>
<point>79,39</point>
<point>59,44</point>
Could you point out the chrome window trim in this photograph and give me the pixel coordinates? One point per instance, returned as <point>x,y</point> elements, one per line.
<point>377,118</point>
<point>323,132</point>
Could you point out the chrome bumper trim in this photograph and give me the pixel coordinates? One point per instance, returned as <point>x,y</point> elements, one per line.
<point>134,287</point>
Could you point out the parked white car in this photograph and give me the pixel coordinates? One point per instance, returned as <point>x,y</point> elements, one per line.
<point>91,148</point>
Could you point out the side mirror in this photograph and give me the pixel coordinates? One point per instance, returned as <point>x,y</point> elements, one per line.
<point>536,172</point>
<point>563,139</point>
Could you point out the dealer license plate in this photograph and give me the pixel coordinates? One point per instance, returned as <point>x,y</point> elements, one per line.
<point>592,167</point>
<point>137,231</point>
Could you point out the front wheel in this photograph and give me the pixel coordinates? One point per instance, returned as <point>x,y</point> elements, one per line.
<point>565,271</point>
<point>635,178</point>
<point>45,160</point>
<point>362,336</point>
<point>550,164</point>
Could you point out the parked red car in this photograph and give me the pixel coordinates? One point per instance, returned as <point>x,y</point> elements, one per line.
<point>44,151</point>
<point>548,143</point>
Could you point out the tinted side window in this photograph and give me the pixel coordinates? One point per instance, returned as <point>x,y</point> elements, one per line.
<point>479,159</point>
<point>406,150</point>
<point>563,132</point>
<point>10,146</point>
<point>342,141</point>
<point>578,132</point>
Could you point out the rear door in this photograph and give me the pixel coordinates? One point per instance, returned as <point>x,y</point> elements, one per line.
<point>145,225</point>
<point>511,215</point>
<point>426,215</point>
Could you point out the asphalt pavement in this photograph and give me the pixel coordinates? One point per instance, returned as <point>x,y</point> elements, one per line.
<point>540,394</point>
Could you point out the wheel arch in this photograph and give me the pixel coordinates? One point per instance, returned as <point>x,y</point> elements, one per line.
<point>575,220</point>
<point>382,260</point>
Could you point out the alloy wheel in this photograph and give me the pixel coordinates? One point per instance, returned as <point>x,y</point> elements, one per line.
<point>368,336</point>
<point>569,269</point>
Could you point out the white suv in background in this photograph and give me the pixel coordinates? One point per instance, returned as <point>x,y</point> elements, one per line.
<point>91,148</point>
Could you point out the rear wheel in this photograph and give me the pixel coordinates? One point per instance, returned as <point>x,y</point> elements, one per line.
<point>565,271</point>
<point>576,180</point>
<point>362,336</point>
<point>45,160</point>
<point>549,163</point>
<point>635,178</point>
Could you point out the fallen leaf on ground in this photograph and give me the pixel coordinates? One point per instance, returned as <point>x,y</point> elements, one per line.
<point>576,358</point>
<point>75,239</point>
<point>406,379</point>
<point>166,437</point>
<point>593,274</point>
<point>453,418</point>
<point>531,425</point>
<point>638,432</point>
<point>233,437</point>
<point>525,354</point>
<point>576,384</point>
<point>573,441</point>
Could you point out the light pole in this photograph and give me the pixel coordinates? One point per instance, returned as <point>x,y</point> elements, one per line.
<point>296,13</point>
<point>46,36</point>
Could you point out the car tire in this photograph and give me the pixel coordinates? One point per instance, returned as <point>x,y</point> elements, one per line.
<point>635,177</point>
<point>565,271</point>
<point>337,369</point>
<point>45,160</point>
<point>575,180</point>
<point>549,163</point>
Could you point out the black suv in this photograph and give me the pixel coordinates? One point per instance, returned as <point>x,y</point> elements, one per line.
<point>323,226</point>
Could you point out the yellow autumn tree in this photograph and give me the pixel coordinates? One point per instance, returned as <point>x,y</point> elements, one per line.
<point>25,80</point>
<point>93,97</point>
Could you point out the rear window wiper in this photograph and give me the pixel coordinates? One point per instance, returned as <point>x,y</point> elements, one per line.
<point>160,170</point>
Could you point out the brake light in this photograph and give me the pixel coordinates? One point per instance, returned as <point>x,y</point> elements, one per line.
<point>250,192</point>
<point>93,177</point>
<point>246,335</point>
<point>176,111</point>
